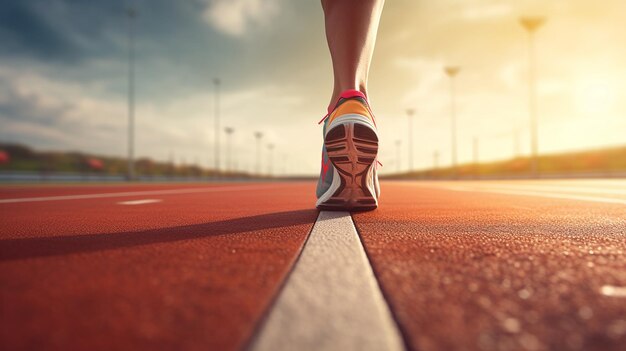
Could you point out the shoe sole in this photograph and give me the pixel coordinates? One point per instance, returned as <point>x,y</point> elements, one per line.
<point>352,148</point>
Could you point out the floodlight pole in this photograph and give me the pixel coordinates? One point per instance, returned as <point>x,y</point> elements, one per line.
<point>131,13</point>
<point>229,163</point>
<point>531,24</point>
<point>410,112</point>
<point>516,143</point>
<point>258,136</point>
<point>216,83</point>
<point>398,160</point>
<point>475,152</point>
<point>452,71</point>
<point>270,148</point>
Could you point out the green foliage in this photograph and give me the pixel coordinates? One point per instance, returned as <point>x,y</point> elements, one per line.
<point>23,158</point>
<point>610,160</point>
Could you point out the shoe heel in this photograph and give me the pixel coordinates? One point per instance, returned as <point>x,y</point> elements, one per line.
<point>352,148</point>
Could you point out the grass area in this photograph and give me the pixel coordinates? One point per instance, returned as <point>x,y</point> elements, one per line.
<point>22,158</point>
<point>603,161</point>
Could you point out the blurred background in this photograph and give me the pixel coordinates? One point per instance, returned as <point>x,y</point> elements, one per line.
<point>162,89</point>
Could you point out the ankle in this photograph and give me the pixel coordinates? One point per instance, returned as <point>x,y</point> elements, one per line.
<point>338,90</point>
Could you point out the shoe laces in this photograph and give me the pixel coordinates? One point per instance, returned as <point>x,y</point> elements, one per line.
<point>347,95</point>
<point>351,93</point>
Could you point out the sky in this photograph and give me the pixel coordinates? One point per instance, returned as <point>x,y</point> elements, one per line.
<point>64,78</point>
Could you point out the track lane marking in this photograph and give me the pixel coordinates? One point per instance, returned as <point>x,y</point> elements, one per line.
<point>331,300</point>
<point>139,202</point>
<point>561,189</point>
<point>538,194</point>
<point>610,183</point>
<point>612,186</point>
<point>613,291</point>
<point>133,193</point>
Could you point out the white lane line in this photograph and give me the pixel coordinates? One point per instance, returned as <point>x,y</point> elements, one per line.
<point>139,202</point>
<point>134,193</point>
<point>563,189</point>
<point>613,291</point>
<point>605,183</point>
<point>331,300</point>
<point>540,194</point>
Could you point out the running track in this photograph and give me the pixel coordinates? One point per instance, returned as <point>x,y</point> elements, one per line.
<point>525,265</point>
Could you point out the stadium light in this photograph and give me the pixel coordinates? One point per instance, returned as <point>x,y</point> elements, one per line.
<point>258,136</point>
<point>410,112</point>
<point>398,160</point>
<point>452,72</point>
<point>131,13</point>
<point>270,148</point>
<point>531,25</point>
<point>216,83</point>
<point>229,132</point>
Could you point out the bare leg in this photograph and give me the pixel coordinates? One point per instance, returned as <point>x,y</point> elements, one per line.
<point>351,27</point>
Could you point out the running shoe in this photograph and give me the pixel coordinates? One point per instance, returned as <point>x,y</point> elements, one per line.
<point>349,179</point>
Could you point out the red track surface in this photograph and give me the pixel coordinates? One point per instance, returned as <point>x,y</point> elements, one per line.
<point>22,191</point>
<point>476,271</point>
<point>195,271</point>
<point>460,270</point>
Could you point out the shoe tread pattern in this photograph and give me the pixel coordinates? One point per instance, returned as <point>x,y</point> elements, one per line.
<point>352,148</point>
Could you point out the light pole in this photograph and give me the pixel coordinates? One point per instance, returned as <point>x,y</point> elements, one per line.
<point>435,163</point>
<point>258,136</point>
<point>531,24</point>
<point>270,148</point>
<point>217,82</point>
<point>131,13</point>
<point>516,143</point>
<point>475,151</point>
<point>452,71</point>
<point>410,112</point>
<point>398,145</point>
<point>285,163</point>
<point>229,132</point>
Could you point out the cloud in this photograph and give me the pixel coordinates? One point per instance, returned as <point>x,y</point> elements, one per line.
<point>46,112</point>
<point>51,113</point>
<point>63,75</point>
<point>234,17</point>
<point>26,30</point>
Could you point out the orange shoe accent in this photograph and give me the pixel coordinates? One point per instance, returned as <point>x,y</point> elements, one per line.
<point>350,106</point>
